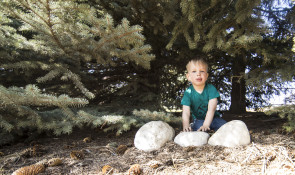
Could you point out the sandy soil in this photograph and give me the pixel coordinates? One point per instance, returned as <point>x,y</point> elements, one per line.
<point>271,152</point>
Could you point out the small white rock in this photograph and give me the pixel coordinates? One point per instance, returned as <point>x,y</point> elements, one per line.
<point>195,138</point>
<point>232,134</point>
<point>153,135</point>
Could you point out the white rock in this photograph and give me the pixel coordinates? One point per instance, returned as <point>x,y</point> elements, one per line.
<point>153,135</point>
<point>196,138</point>
<point>231,134</point>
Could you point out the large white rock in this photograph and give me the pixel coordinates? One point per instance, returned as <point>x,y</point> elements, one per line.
<point>231,134</point>
<point>196,138</point>
<point>153,135</point>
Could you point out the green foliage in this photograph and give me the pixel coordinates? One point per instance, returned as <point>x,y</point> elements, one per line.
<point>82,34</point>
<point>108,122</point>
<point>286,111</point>
<point>78,32</point>
<point>21,109</point>
<point>220,24</point>
<point>151,116</point>
<point>51,41</point>
<point>236,35</point>
<point>96,51</point>
<point>122,123</point>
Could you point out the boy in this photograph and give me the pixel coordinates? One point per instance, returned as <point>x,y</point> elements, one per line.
<point>200,99</point>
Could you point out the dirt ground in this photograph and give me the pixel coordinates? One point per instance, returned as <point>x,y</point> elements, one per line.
<point>271,152</point>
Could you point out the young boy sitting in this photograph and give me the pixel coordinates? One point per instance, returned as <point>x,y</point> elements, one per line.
<point>200,99</point>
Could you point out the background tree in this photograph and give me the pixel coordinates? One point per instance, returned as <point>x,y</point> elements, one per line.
<point>60,38</point>
<point>239,28</point>
<point>99,53</point>
<point>233,35</point>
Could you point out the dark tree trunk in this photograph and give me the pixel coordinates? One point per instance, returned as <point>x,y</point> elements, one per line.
<point>238,92</point>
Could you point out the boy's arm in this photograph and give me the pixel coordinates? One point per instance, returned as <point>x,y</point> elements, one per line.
<point>185,118</point>
<point>210,115</point>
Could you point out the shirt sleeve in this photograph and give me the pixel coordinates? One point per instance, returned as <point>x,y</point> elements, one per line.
<point>213,93</point>
<point>186,98</point>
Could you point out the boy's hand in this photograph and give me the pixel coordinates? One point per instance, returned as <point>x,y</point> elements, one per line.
<point>204,128</point>
<point>188,129</point>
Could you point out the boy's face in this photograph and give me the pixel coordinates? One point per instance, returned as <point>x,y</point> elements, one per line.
<point>197,73</point>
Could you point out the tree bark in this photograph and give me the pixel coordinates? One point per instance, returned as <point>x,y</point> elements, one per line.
<point>238,92</point>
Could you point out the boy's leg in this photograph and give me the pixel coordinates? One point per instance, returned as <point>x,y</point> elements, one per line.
<point>217,123</point>
<point>197,124</point>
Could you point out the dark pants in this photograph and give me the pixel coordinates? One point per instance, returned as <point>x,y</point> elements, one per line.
<point>217,122</point>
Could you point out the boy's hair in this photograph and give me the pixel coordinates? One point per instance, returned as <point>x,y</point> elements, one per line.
<point>197,60</point>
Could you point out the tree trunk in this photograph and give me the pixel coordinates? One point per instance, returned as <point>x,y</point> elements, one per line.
<point>238,92</point>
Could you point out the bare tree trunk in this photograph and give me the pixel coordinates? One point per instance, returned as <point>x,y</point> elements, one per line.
<point>238,92</point>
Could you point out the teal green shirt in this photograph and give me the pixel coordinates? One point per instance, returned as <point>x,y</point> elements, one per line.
<point>197,102</point>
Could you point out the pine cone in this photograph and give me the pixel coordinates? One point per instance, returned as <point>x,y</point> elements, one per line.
<point>121,149</point>
<point>70,146</point>
<point>107,169</point>
<point>134,170</point>
<point>54,162</point>
<point>87,140</point>
<point>37,150</point>
<point>77,155</point>
<point>30,170</point>
<point>155,165</point>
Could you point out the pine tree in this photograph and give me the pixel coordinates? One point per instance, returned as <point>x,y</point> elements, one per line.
<point>244,43</point>
<point>145,87</point>
<point>95,52</point>
<point>237,28</point>
<point>227,26</point>
<point>286,112</point>
<point>55,39</point>
<point>263,53</point>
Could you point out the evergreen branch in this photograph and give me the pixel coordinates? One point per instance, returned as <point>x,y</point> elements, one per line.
<point>71,41</point>
<point>22,17</point>
<point>50,25</point>
<point>65,110</point>
<point>177,30</point>
<point>114,38</point>
<point>285,111</point>
<point>166,117</point>
<point>26,65</point>
<point>32,10</point>
<point>85,117</point>
<point>191,43</point>
<point>124,123</point>
<point>5,125</point>
<point>36,27</point>
<point>31,96</point>
<point>77,81</point>
<point>6,98</point>
<point>66,75</point>
<point>29,118</point>
<point>49,76</point>
<point>64,33</point>
<point>48,22</point>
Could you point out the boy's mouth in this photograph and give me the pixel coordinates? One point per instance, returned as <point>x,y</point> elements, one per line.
<point>199,79</point>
